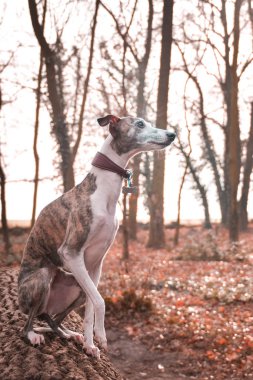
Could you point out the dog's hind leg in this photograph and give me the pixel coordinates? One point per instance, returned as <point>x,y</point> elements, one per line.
<point>53,326</point>
<point>28,331</point>
<point>58,319</point>
<point>33,292</point>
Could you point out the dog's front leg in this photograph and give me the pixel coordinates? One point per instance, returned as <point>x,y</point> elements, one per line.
<point>74,262</point>
<point>89,312</point>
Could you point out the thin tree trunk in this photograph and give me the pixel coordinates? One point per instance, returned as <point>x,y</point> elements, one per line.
<point>4,221</point>
<point>36,126</point>
<point>232,152</point>
<point>5,228</point>
<point>125,229</point>
<point>234,163</point>
<point>201,189</point>
<point>234,148</point>
<point>176,236</point>
<point>141,112</point>
<point>209,147</point>
<point>187,161</point>
<point>156,229</point>
<point>248,165</point>
<point>133,201</point>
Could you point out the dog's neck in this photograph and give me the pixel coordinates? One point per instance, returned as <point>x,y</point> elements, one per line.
<point>108,151</point>
<point>109,184</point>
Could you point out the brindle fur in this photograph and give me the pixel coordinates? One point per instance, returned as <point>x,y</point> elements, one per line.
<point>40,259</point>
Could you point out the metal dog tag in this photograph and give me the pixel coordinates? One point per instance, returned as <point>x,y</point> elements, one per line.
<point>130,190</point>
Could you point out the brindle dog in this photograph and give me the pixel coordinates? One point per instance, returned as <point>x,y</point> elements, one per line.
<point>64,253</point>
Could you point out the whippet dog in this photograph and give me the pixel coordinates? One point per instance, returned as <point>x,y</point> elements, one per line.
<point>63,256</point>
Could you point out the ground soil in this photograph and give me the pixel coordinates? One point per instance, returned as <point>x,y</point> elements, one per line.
<point>135,361</point>
<point>177,313</point>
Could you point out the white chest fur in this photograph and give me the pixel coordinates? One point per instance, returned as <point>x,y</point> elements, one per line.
<point>104,222</point>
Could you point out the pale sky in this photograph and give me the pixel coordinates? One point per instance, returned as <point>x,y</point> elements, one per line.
<point>17,121</point>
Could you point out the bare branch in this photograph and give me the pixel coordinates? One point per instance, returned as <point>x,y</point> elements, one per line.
<point>122,35</point>
<point>245,66</point>
<point>86,84</point>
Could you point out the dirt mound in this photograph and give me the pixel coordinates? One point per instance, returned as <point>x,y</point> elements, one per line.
<point>57,359</point>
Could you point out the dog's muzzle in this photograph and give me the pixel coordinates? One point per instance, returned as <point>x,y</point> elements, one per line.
<point>171,136</point>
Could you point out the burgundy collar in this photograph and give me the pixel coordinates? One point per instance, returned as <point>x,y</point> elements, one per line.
<point>103,162</point>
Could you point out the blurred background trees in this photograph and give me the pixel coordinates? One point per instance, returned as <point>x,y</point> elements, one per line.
<point>180,65</point>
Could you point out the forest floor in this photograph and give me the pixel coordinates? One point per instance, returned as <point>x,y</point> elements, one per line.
<point>178,313</point>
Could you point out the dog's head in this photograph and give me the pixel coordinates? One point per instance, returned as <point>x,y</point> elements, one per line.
<point>133,134</point>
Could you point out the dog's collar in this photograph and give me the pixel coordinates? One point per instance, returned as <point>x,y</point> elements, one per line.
<point>103,162</point>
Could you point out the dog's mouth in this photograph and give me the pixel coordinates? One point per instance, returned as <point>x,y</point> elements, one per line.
<point>170,138</point>
<point>163,144</point>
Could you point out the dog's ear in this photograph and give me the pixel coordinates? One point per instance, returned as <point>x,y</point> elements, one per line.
<point>112,121</point>
<point>109,119</point>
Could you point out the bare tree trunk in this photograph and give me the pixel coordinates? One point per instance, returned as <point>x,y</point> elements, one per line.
<point>234,146</point>
<point>232,151</point>
<point>133,201</point>
<point>156,229</point>
<point>4,222</point>
<point>202,192</point>
<point>248,165</point>
<point>5,228</point>
<point>187,161</point>
<point>141,112</point>
<point>209,146</point>
<point>176,236</point>
<point>125,229</point>
<point>57,103</point>
<point>36,125</point>
<point>201,189</point>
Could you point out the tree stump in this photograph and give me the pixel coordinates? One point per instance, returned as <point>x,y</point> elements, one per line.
<point>57,359</point>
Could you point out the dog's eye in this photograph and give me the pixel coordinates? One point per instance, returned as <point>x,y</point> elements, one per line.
<point>140,124</point>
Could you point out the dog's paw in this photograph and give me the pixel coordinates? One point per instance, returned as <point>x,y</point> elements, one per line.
<point>102,342</point>
<point>78,338</point>
<point>35,338</point>
<point>92,350</point>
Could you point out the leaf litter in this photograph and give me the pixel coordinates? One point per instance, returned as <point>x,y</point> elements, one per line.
<point>198,309</point>
<point>188,309</point>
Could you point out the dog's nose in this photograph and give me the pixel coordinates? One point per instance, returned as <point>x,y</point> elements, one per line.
<point>171,136</point>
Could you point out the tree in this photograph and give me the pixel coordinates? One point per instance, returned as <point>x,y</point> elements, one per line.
<point>4,221</point>
<point>233,144</point>
<point>247,170</point>
<point>216,38</point>
<point>55,82</point>
<point>208,146</point>
<point>248,164</point>
<point>36,124</point>
<point>194,171</point>
<point>55,93</point>
<point>141,62</point>
<point>156,230</point>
